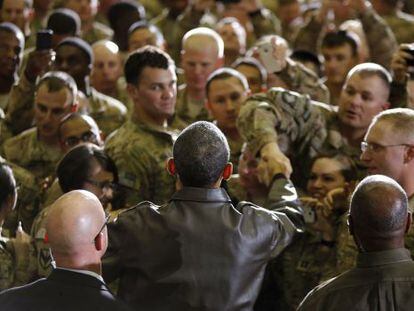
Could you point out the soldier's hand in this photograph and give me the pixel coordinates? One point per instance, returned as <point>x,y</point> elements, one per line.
<point>272,162</point>
<point>38,63</point>
<point>399,64</point>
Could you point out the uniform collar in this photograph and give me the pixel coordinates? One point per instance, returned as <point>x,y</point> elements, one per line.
<point>201,195</point>
<point>372,259</point>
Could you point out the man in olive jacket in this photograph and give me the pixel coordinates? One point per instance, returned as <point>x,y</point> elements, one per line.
<point>199,252</point>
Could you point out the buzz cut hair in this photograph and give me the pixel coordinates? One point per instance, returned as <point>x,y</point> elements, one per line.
<point>207,33</point>
<point>401,121</point>
<point>58,80</point>
<point>226,73</point>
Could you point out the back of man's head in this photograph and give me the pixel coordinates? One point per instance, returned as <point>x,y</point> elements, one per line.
<point>201,153</point>
<point>76,231</point>
<point>378,214</point>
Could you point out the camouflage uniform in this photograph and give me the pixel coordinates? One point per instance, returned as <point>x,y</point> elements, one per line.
<point>402,25</point>
<point>140,151</point>
<point>300,79</point>
<point>190,111</point>
<point>42,249</point>
<point>98,32</point>
<point>3,102</point>
<point>13,273</point>
<point>286,117</point>
<point>28,200</point>
<point>381,41</point>
<point>27,151</point>
<point>300,268</point>
<point>108,112</point>
<point>166,23</point>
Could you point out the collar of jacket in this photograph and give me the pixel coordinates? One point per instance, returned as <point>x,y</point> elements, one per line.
<point>371,259</point>
<point>201,195</point>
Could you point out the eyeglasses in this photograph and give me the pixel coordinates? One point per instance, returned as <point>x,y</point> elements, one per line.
<point>374,147</point>
<point>103,226</point>
<point>102,184</point>
<point>85,137</point>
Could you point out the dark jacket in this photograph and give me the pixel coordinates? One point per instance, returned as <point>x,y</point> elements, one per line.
<point>199,252</point>
<point>63,290</point>
<point>381,281</point>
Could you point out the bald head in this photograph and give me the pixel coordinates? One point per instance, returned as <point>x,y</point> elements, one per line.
<point>73,225</point>
<point>379,213</point>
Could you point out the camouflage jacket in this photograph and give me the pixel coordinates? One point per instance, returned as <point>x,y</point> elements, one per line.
<point>140,152</point>
<point>108,112</point>
<point>299,79</point>
<point>402,24</point>
<point>28,152</point>
<point>185,112</point>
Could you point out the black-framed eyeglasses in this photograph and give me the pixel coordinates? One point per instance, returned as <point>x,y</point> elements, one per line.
<point>85,137</point>
<point>103,226</point>
<point>102,184</point>
<point>375,147</point>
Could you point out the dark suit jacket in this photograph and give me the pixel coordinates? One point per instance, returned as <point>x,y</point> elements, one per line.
<point>62,290</point>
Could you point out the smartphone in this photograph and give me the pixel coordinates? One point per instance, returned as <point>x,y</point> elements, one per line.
<point>267,58</point>
<point>309,214</point>
<point>44,39</point>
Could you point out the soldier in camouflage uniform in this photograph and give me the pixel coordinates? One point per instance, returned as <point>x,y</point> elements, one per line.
<point>302,129</point>
<point>202,53</point>
<point>107,72</point>
<point>388,150</point>
<point>142,145</point>
<point>293,75</point>
<point>400,23</point>
<point>55,98</point>
<point>380,38</point>
<point>227,90</point>
<point>15,257</point>
<point>73,56</point>
<point>92,30</point>
<point>12,40</point>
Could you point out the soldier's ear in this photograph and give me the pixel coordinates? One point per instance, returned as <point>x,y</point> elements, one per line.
<point>409,154</point>
<point>132,90</point>
<point>171,166</point>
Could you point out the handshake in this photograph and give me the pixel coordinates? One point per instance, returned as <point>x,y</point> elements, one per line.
<point>272,162</point>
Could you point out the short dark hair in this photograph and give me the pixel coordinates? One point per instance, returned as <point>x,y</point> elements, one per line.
<point>76,166</point>
<point>379,207</point>
<point>81,44</point>
<point>349,169</point>
<point>200,153</point>
<point>7,183</point>
<point>306,56</point>
<point>252,62</point>
<point>145,25</point>
<point>77,115</point>
<point>226,73</point>
<point>147,56</point>
<point>57,80</point>
<point>64,21</point>
<point>339,38</point>
<point>13,29</point>
<point>120,8</point>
